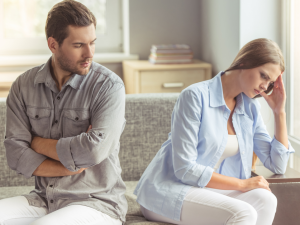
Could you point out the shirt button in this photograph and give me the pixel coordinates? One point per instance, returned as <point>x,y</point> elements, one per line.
<point>76,118</point>
<point>51,185</point>
<point>56,121</point>
<point>100,135</point>
<point>36,116</point>
<point>58,98</point>
<point>51,201</point>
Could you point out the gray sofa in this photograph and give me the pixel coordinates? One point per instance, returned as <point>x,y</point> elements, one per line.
<point>148,124</point>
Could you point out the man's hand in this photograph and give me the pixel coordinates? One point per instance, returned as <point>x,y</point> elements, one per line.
<point>53,168</point>
<point>90,127</point>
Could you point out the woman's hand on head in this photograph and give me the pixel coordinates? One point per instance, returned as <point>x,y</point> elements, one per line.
<point>253,183</point>
<point>277,98</point>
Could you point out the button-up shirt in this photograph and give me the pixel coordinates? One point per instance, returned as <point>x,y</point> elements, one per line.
<point>196,142</point>
<point>35,107</point>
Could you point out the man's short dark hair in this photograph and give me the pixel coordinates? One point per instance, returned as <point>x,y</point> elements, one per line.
<point>65,13</point>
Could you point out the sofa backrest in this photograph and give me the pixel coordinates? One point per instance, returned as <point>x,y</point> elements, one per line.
<point>148,124</point>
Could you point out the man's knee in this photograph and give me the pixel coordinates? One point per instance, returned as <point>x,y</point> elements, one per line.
<point>16,210</point>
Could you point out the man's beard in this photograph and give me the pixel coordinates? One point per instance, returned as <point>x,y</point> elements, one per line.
<point>67,65</point>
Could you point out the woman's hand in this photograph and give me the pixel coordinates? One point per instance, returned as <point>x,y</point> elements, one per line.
<point>277,99</point>
<point>253,183</point>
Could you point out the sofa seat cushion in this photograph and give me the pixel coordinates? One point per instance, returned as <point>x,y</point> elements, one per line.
<point>7,192</point>
<point>134,215</point>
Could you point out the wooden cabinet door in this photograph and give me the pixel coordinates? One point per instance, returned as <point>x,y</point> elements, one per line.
<point>164,81</point>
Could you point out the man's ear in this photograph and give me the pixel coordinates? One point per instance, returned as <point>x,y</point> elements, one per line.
<point>52,44</point>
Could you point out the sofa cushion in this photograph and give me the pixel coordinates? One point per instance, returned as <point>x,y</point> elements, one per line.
<point>7,192</point>
<point>148,124</point>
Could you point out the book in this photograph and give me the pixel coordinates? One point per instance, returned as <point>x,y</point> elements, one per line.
<point>171,51</point>
<point>170,46</point>
<point>166,57</point>
<point>174,61</point>
<point>171,54</point>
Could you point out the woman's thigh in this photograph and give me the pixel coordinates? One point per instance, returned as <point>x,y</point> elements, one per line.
<point>264,202</point>
<point>77,214</point>
<point>203,206</point>
<point>17,211</point>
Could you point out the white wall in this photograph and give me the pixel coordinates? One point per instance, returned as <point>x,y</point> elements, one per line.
<point>219,27</point>
<point>163,22</point>
<point>226,25</point>
<point>261,19</point>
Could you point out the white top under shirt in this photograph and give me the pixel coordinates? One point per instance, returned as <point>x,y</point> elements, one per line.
<point>231,149</point>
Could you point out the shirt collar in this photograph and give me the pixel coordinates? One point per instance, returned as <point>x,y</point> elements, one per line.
<point>42,73</point>
<point>216,98</point>
<point>44,76</point>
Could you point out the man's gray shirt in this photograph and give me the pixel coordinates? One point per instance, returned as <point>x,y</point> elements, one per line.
<point>35,107</point>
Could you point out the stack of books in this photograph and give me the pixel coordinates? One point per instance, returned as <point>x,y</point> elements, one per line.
<point>170,54</point>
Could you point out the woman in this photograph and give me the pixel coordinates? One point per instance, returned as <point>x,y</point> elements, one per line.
<point>201,174</point>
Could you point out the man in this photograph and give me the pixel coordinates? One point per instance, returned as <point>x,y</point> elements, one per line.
<point>64,122</point>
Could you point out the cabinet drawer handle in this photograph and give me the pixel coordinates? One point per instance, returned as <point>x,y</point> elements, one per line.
<point>172,85</point>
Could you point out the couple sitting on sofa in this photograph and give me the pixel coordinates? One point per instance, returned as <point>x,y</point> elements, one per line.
<point>65,119</point>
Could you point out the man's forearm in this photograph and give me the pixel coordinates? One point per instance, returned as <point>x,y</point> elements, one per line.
<point>45,147</point>
<point>53,168</point>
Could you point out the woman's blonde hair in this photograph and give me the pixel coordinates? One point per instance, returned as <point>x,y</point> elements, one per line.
<point>257,53</point>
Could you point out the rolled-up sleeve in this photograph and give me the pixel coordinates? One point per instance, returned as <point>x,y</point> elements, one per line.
<point>20,157</point>
<point>107,120</point>
<point>186,121</point>
<point>273,154</point>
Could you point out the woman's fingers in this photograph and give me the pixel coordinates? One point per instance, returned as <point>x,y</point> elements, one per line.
<point>280,81</point>
<point>282,84</point>
<point>258,182</point>
<point>277,82</point>
<point>265,184</point>
<point>279,86</point>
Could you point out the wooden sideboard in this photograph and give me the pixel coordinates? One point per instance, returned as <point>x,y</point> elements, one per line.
<point>140,76</point>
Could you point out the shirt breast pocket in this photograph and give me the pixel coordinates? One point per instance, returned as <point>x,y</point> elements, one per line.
<point>39,120</point>
<point>75,122</point>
